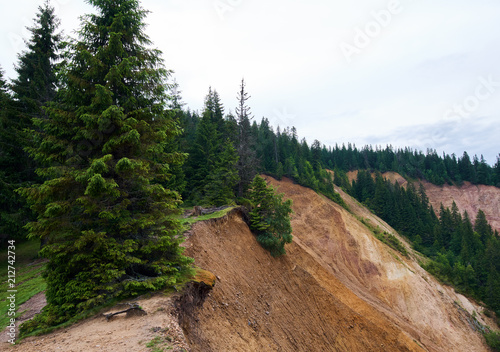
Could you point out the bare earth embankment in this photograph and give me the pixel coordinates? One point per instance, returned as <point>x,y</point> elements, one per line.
<point>338,289</point>
<point>468,198</point>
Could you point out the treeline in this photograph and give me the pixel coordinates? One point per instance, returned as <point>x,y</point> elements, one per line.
<point>414,164</point>
<point>464,253</point>
<point>88,145</point>
<point>222,151</point>
<point>225,152</point>
<point>259,148</point>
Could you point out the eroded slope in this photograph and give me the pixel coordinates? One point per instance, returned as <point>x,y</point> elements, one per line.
<point>288,304</point>
<point>468,198</point>
<point>338,289</point>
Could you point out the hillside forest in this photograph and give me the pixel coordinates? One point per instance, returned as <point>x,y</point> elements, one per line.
<point>99,153</point>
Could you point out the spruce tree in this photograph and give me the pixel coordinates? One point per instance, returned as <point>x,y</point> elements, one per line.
<point>203,153</point>
<point>104,151</point>
<point>177,179</point>
<point>247,163</point>
<point>34,86</point>
<point>36,82</point>
<point>496,172</point>
<point>270,217</point>
<point>482,227</point>
<point>222,179</point>
<point>492,254</point>
<point>12,211</point>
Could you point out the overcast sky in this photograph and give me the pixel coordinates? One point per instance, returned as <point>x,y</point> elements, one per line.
<point>424,74</point>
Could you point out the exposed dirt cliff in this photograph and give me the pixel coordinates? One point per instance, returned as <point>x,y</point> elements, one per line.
<point>468,198</point>
<point>337,289</point>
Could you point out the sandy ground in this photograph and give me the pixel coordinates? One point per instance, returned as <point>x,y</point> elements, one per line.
<point>119,334</point>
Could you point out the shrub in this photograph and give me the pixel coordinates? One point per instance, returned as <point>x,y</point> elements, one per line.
<point>270,217</point>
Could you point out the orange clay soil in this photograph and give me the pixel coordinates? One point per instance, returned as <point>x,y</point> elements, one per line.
<point>337,289</point>
<point>468,198</point>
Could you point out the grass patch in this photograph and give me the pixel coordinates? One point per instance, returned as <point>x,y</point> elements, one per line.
<point>189,221</point>
<point>84,315</point>
<point>385,237</point>
<point>160,344</point>
<point>28,277</point>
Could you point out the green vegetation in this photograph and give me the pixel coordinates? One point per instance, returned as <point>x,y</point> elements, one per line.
<point>225,154</point>
<point>385,237</point>
<point>160,344</point>
<point>270,217</point>
<point>413,164</point>
<point>493,340</point>
<point>97,151</point>
<point>187,222</point>
<point>105,151</point>
<point>28,277</point>
<point>34,86</point>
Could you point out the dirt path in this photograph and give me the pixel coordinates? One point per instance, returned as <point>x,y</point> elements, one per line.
<point>119,334</point>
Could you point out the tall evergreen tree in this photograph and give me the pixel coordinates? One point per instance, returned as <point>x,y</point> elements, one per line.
<point>104,151</point>
<point>34,86</point>
<point>482,171</point>
<point>496,172</point>
<point>247,163</point>
<point>466,168</point>
<point>222,179</point>
<point>214,110</point>
<point>177,180</point>
<point>36,82</point>
<point>482,227</point>
<point>208,144</point>
<point>492,294</point>
<point>266,146</point>
<point>12,167</point>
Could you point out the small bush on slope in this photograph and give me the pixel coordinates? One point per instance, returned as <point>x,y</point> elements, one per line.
<point>270,217</point>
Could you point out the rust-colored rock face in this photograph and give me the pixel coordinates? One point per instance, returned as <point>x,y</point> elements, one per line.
<point>337,289</point>
<point>468,198</point>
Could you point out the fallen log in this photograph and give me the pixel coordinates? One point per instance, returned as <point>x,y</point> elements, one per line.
<point>133,310</point>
